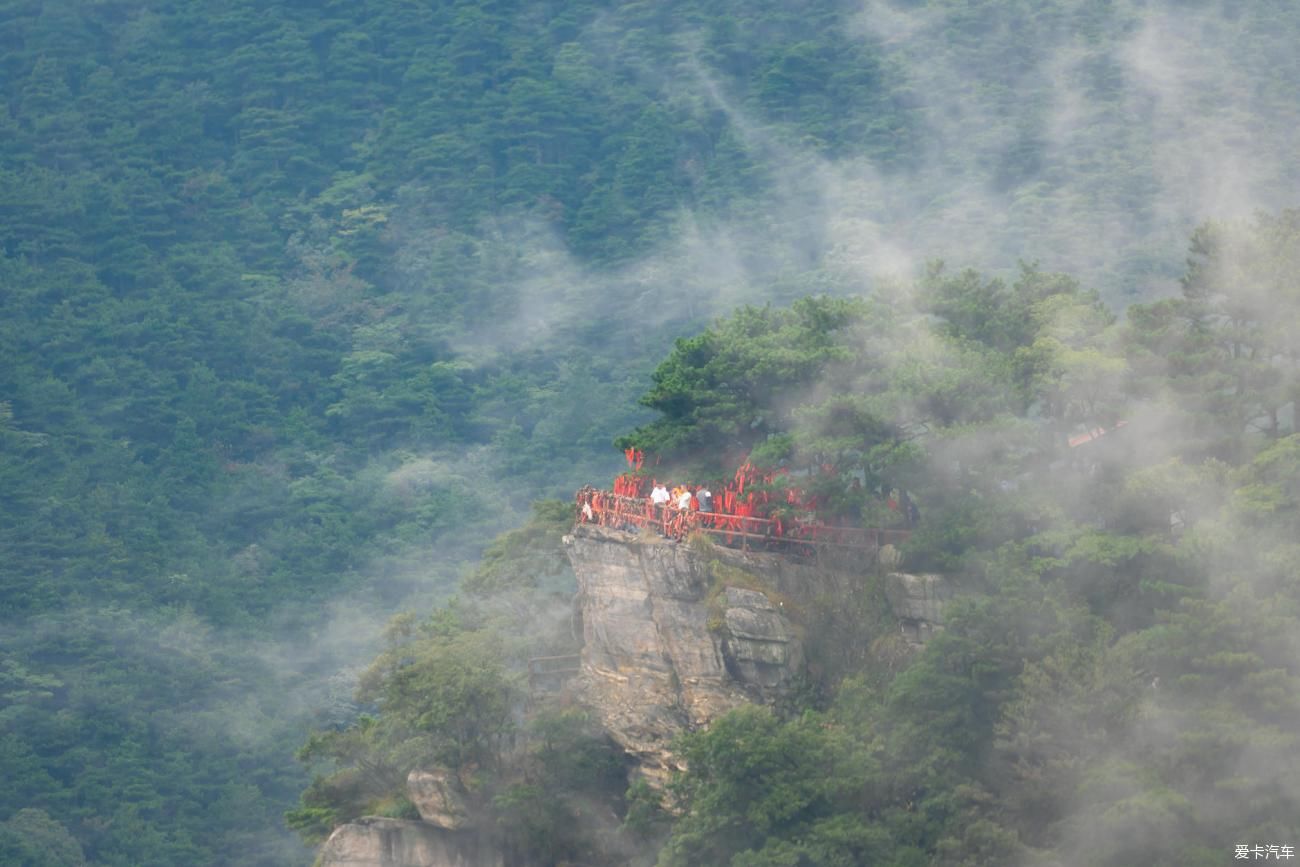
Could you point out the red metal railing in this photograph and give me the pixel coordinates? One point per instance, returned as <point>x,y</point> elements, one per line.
<point>608,509</point>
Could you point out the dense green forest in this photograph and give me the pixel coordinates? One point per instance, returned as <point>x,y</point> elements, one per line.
<point>1118,682</point>
<point>302,304</point>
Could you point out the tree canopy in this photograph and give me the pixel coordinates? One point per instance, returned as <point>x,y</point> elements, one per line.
<point>1118,659</point>
<point>301,305</point>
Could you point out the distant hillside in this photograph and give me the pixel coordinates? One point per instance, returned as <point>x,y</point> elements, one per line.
<point>300,304</point>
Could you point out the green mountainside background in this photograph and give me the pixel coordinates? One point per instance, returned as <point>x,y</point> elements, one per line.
<point>302,304</point>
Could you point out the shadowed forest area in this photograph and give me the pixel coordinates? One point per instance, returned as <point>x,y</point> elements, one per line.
<point>301,305</point>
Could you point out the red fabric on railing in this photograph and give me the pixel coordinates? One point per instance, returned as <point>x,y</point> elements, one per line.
<point>625,512</point>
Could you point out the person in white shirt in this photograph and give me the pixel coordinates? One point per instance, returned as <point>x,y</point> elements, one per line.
<point>684,499</point>
<point>658,497</point>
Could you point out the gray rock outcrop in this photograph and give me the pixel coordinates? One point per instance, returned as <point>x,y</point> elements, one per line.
<point>759,645</point>
<point>377,842</point>
<point>439,796</point>
<point>677,634</point>
<point>668,647</point>
<point>918,602</point>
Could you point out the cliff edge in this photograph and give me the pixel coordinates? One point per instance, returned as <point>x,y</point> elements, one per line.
<point>373,841</point>
<point>677,634</point>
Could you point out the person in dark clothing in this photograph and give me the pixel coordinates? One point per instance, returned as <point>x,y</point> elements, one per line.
<point>911,511</point>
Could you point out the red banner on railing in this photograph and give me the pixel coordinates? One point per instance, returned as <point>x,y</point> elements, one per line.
<point>735,521</point>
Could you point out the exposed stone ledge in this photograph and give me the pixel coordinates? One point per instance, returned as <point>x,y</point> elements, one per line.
<point>439,796</point>
<point>918,602</point>
<point>669,644</point>
<point>373,841</point>
<point>660,656</point>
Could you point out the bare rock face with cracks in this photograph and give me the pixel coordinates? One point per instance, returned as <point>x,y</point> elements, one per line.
<point>675,634</point>
<point>373,841</point>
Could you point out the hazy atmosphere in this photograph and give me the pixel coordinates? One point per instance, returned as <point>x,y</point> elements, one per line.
<point>313,317</point>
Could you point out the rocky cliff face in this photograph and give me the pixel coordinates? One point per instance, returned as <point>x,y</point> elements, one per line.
<point>443,837</point>
<point>917,602</point>
<point>671,641</point>
<point>675,635</point>
<point>377,842</point>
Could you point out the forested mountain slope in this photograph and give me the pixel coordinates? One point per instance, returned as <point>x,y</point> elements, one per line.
<point>1116,681</point>
<point>301,303</point>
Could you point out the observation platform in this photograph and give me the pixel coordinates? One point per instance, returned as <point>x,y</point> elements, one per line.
<point>607,509</point>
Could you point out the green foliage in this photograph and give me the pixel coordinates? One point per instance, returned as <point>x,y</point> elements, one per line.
<point>281,313</point>
<point>987,311</point>
<point>759,789</point>
<point>646,818</point>
<point>448,694</point>
<point>442,697</point>
<point>721,393</point>
<point>570,771</point>
<point>30,838</point>
<point>573,753</point>
<point>530,557</point>
<point>535,824</point>
<point>1219,357</point>
<point>860,398</point>
<point>1272,490</point>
